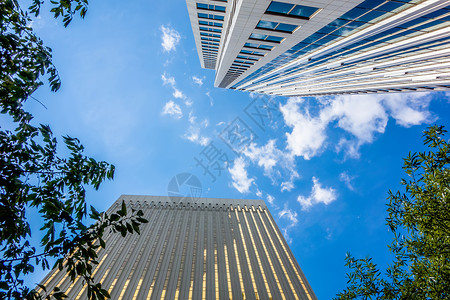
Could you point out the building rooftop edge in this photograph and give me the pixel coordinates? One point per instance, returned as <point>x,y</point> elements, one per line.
<point>200,200</point>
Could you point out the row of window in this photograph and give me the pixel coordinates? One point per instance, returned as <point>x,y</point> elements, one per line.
<point>388,90</point>
<point>291,10</point>
<point>276,26</point>
<point>210,16</point>
<point>281,9</point>
<point>211,7</point>
<point>364,14</point>
<point>210,36</point>
<point>432,21</point>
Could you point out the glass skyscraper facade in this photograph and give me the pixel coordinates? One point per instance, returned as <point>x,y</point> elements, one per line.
<point>205,248</point>
<point>324,47</point>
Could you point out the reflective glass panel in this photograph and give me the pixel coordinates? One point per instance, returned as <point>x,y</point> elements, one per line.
<point>267,25</point>
<point>279,7</point>
<point>286,27</point>
<point>258,36</point>
<point>303,11</point>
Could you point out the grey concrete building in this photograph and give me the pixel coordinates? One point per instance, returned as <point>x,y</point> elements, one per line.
<point>208,248</point>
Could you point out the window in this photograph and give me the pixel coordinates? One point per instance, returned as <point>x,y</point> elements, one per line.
<point>243,62</point>
<point>252,52</point>
<point>391,6</point>
<point>244,67</point>
<point>257,46</point>
<point>209,47</point>
<point>291,10</point>
<point>209,23</point>
<point>238,68</point>
<point>210,34</point>
<point>210,43</point>
<point>210,16</point>
<point>370,4</point>
<point>210,39</point>
<point>267,38</point>
<point>211,7</point>
<point>275,26</point>
<point>247,57</point>
<point>211,29</point>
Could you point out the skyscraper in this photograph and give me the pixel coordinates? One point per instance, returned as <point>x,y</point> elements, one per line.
<point>324,47</point>
<point>203,249</point>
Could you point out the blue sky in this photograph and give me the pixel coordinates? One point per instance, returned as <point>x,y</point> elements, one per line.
<point>133,92</point>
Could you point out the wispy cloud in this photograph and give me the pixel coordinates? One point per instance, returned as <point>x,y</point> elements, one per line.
<point>239,175</point>
<point>269,157</point>
<point>178,94</point>
<point>172,109</point>
<point>291,217</point>
<point>347,179</point>
<point>265,156</point>
<point>198,80</point>
<point>170,38</point>
<point>288,214</point>
<point>259,193</point>
<point>318,195</point>
<point>270,199</point>
<point>211,100</point>
<point>168,80</point>
<point>288,185</point>
<point>193,133</point>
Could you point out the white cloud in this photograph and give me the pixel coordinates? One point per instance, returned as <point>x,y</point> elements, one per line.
<point>193,133</point>
<point>168,80</point>
<point>318,195</point>
<point>172,109</point>
<point>347,179</point>
<point>288,214</point>
<point>239,175</point>
<point>289,184</point>
<point>308,133</point>
<point>194,136</point>
<point>409,109</point>
<point>211,100</point>
<point>268,157</point>
<point>198,80</point>
<point>270,199</point>
<point>192,118</point>
<point>291,217</point>
<point>170,38</point>
<point>259,193</point>
<point>361,116</point>
<point>178,94</point>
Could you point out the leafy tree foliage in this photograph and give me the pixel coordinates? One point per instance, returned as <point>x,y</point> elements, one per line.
<point>33,176</point>
<point>419,218</point>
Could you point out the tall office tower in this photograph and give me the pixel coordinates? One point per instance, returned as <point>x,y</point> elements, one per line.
<point>324,47</point>
<point>203,249</point>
